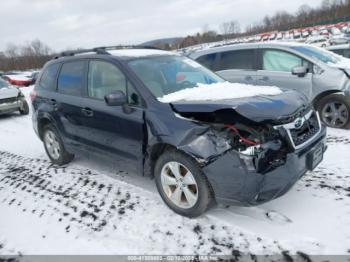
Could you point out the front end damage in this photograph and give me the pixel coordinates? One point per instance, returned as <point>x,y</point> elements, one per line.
<point>250,162</point>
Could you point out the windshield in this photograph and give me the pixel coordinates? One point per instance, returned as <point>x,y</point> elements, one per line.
<point>167,74</point>
<point>3,83</point>
<point>318,54</point>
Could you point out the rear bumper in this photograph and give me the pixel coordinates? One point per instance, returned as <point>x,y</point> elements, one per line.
<point>35,123</point>
<point>233,183</point>
<point>9,107</point>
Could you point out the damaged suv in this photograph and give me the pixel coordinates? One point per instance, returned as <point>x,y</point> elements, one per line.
<point>162,115</point>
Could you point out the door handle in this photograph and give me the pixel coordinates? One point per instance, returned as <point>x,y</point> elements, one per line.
<point>54,104</point>
<point>248,78</point>
<point>264,78</point>
<point>87,111</point>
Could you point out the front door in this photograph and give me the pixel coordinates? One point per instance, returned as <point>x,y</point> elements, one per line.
<point>116,130</point>
<point>276,70</point>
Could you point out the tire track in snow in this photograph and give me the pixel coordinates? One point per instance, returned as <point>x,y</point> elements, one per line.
<point>116,213</point>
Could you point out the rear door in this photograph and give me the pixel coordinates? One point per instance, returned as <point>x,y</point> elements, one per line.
<point>238,66</point>
<point>114,130</point>
<point>276,70</point>
<point>67,101</point>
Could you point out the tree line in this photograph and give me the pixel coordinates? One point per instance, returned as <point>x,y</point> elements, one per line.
<point>32,55</point>
<point>330,11</point>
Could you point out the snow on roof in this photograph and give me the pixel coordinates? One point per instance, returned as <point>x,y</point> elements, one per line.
<point>139,52</point>
<point>219,91</point>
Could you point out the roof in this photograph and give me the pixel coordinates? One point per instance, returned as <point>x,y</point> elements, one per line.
<point>229,47</point>
<point>139,52</point>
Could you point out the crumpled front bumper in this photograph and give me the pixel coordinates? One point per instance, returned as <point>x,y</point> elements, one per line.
<point>234,183</point>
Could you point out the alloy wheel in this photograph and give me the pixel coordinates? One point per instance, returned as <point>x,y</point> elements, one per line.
<point>335,114</point>
<point>52,144</point>
<point>179,185</point>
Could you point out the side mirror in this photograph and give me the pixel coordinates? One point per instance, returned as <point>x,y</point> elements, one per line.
<point>300,71</point>
<point>116,98</point>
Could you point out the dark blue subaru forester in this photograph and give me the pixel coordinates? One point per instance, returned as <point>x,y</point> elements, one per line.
<point>126,104</point>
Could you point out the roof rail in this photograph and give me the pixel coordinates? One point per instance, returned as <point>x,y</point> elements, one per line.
<point>117,47</point>
<point>102,50</point>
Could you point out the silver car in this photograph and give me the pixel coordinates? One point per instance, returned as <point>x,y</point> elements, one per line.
<point>322,76</point>
<point>12,99</point>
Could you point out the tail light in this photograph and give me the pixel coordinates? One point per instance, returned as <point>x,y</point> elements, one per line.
<point>32,95</point>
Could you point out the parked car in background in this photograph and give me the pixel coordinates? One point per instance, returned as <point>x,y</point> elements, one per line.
<point>12,99</point>
<point>340,39</point>
<point>17,79</point>
<point>343,50</point>
<point>131,104</point>
<point>320,41</point>
<point>324,78</point>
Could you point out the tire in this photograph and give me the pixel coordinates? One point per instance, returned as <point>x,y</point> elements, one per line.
<point>24,109</point>
<point>334,111</point>
<point>51,139</point>
<point>201,189</point>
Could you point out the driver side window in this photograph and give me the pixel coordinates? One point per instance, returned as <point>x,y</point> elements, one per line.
<point>104,78</point>
<point>280,61</point>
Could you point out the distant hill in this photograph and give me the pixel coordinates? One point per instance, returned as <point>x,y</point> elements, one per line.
<point>170,41</point>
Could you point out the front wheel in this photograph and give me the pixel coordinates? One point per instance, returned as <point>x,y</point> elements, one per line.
<point>24,109</point>
<point>182,185</point>
<point>54,146</point>
<point>335,111</point>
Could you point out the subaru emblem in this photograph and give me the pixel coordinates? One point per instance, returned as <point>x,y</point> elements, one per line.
<point>298,123</point>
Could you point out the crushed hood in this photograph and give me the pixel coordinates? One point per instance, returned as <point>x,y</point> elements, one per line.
<point>257,108</point>
<point>8,92</point>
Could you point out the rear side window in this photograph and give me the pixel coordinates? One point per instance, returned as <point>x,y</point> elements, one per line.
<point>346,53</point>
<point>71,78</point>
<point>280,61</point>
<point>49,77</point>
<point>207,60</point>
<point>339,51</point>
<point>239,59</point>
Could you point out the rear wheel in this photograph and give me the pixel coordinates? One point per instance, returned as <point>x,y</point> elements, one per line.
<point>335,111</point>
<point>24,109</point>
<point>54,146</point>
<point>182,185</point>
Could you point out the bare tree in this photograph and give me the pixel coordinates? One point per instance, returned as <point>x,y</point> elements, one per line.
<point>229,29</point>
<point>31,55</point>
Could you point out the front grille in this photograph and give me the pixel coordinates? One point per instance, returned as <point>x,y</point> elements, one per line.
<point>8,100</point>
<point>302,129</point>
<point>308,130</point>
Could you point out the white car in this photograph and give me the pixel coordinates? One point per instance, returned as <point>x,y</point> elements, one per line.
<point>12,99</point>
<point>320,41</point>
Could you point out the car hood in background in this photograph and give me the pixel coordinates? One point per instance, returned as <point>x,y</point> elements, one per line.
<point>8,92</point>
<point>257,108</point>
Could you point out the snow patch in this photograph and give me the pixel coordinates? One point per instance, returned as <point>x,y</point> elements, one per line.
<point>219,91</point>
<point>139,52</point>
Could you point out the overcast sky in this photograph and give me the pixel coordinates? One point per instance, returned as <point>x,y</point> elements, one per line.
<point>86,23</point>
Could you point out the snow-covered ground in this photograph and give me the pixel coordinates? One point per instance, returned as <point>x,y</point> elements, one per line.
<point>91,207</point>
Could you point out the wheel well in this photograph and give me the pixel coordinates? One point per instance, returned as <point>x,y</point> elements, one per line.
<point>155,152</point>
<point>42,123</point>
<point>322,95</point>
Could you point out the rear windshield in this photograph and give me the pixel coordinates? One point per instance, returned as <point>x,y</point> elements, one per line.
<point>167,74</point>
